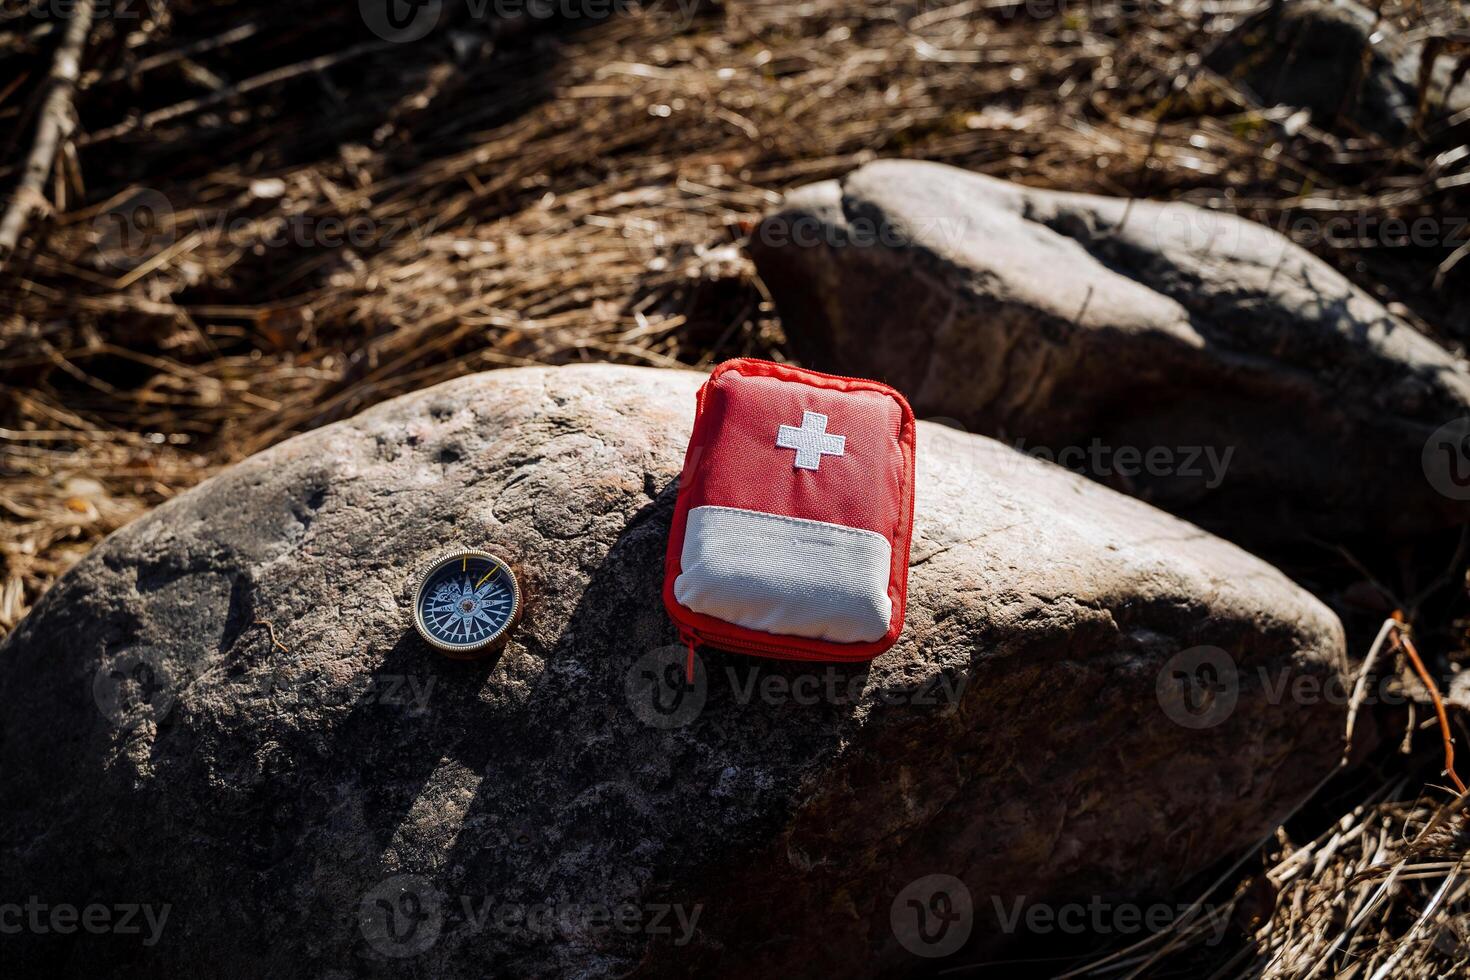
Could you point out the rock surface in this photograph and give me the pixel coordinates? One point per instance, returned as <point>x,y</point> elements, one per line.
<point>1195,359</point>
<point>222,715</point>
<point>1336,56</point>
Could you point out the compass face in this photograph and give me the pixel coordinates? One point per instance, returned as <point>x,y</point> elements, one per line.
<point>466,602</point>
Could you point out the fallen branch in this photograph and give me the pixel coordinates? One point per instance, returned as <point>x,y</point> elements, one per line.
<point>55,122</point>
<point>1401,639</point>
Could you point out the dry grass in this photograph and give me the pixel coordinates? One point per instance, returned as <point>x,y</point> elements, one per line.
<point>1381,893</point>
<point>269,219</point>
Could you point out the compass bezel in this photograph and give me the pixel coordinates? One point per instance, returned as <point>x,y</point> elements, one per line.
<point>480,647</point>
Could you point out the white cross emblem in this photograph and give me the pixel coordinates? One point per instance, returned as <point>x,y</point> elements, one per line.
<point>811,441</point>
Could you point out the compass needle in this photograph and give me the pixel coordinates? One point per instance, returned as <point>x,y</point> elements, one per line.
<point>493,569</point>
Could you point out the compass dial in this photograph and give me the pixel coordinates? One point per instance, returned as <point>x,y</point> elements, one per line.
<point>466,602</point>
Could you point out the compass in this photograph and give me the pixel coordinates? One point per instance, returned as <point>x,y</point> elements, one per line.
<point>466,603</point>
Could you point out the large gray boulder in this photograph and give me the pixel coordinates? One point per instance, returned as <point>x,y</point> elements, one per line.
<point>223,718</point>
<point>1192,358</point>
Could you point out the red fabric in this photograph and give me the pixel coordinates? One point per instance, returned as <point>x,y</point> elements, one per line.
<point>733,461</point>
<point>861,488</point>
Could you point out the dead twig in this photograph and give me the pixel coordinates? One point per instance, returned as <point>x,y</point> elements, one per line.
<point>1401,639</point>
<point>270,628</point>
<point>55,123</point>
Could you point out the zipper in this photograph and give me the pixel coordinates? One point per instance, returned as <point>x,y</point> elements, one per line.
<point>689,641</point>
<point>692,638</point>
<point>820,374</point>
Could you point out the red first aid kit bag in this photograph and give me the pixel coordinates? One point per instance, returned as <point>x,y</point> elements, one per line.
<point>796,505</point>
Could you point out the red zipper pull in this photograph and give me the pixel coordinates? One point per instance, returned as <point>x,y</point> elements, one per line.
<point>689,642</point>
